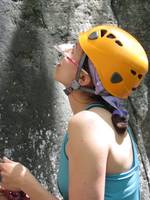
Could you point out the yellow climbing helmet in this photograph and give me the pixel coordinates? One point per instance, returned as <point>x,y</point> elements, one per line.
<point>118,57</point>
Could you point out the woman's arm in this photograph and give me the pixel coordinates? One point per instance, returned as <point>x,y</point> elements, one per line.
<point>15,176</point>
<point>87,151</point>
<point>34,189</point>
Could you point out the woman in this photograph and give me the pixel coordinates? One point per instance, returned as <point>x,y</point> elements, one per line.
<point>98,159</point>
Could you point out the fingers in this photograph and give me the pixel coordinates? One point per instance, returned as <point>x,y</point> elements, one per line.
<point>4,163</point>
<point>1,160</point>
<point>1,167</point>
<point>4,181</point>
<point>1,188</point>
<point>1,177</point>
<point>5,159</point>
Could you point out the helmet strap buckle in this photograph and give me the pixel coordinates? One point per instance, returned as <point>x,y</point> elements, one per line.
<point>75,85</point>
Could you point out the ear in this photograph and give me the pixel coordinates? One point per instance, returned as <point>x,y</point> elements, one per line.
<point>85,79</point>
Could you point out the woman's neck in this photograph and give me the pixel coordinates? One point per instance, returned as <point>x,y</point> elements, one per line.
<point>79,101</point>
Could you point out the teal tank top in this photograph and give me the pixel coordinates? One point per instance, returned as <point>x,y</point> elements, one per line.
<point>121,186</point>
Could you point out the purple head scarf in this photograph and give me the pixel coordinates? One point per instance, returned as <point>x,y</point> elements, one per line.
<point>115,102</point>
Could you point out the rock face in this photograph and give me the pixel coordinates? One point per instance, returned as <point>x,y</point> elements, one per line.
<point>33,109</point>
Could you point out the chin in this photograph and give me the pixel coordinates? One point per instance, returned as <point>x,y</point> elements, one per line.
<point>58,79</point>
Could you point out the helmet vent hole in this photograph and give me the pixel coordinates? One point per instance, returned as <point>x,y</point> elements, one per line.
<point>93,36</point>
<point>119,43</point>
<point>133,89</point>
<point>133,72</point>
<point>116,78</point>
<point>111,36</point>
<point>140,76</point>
<point>103,32</point>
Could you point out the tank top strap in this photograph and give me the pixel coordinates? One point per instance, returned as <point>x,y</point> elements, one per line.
<point>95,105</point>
<point>134,146</point>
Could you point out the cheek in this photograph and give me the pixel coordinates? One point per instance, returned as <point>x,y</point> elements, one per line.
<point>68,67</point>
<point>65,72</point>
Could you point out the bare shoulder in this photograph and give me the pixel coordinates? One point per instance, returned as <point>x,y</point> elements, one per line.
<point>88,122</point>
<point>89,130</point>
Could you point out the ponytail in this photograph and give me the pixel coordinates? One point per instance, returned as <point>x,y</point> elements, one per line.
<point>120,121</point>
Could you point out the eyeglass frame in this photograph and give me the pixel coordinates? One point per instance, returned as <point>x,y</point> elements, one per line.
<point>65,55</point>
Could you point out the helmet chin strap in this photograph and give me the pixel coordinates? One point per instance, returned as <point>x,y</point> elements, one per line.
<point>75,85</point>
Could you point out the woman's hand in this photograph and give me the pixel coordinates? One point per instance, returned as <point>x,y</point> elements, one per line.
<point>15,176</point>
<point>12,174</point>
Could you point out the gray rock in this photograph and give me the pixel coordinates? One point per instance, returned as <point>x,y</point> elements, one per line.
<point>33,108</point>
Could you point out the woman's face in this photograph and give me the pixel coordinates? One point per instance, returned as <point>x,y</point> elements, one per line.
<point>67,66</point>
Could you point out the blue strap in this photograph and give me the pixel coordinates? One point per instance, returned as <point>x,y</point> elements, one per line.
<point>134,146</point>
<point>95,105</point>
